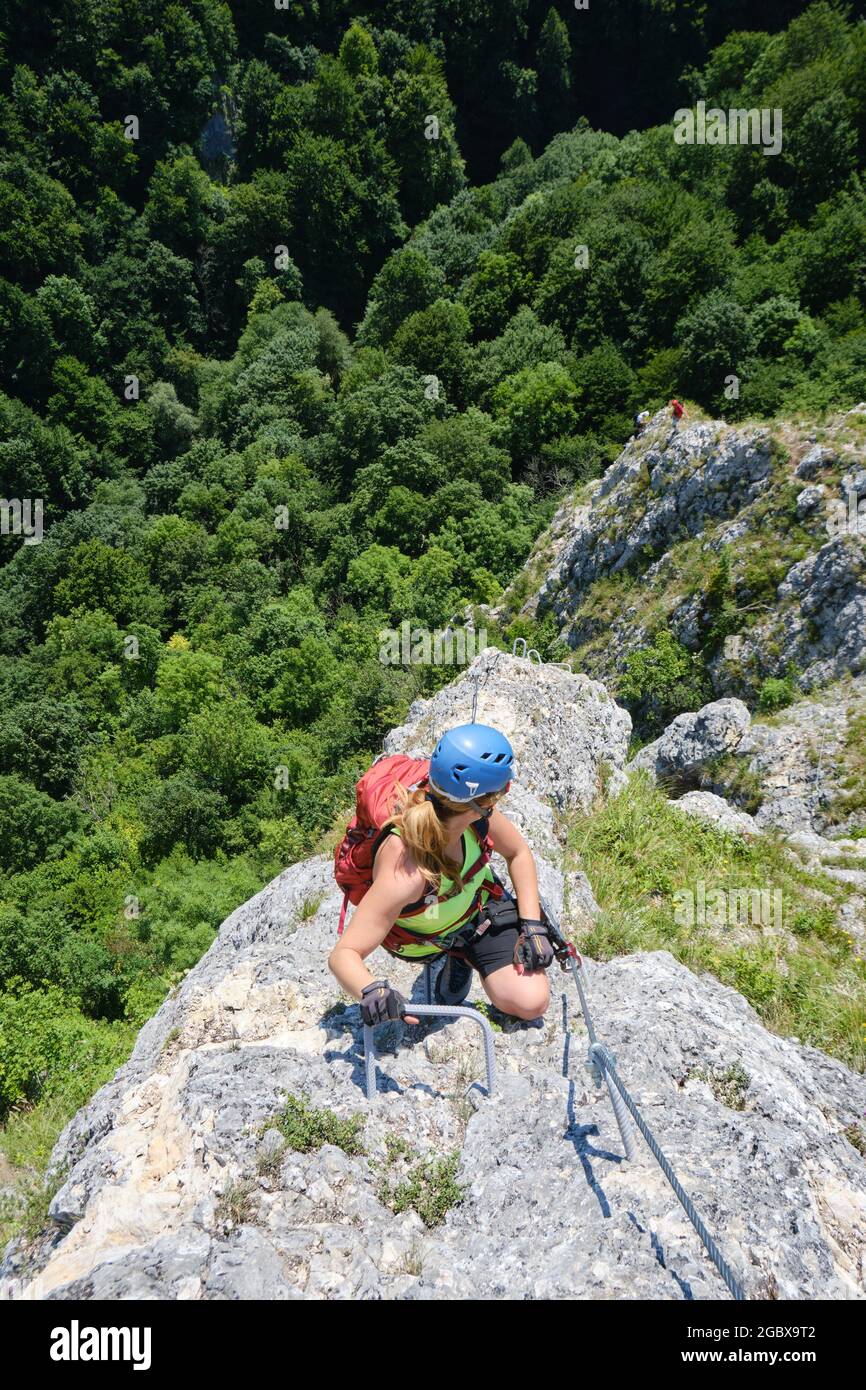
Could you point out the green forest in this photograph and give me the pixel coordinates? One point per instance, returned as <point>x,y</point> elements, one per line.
<point>309,316</point>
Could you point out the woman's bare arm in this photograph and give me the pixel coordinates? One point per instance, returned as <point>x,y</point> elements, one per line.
<point>508,841</point>
<point>395,884</point>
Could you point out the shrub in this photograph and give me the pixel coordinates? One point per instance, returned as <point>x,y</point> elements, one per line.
<point>306,1129</point>
<point>729,1086</point>
<point>430,1189</point>
<point>47,1047</point>
<point>661,681</point>
<point>33,826</point>
<point>776,692</point>
<point>179,811</point>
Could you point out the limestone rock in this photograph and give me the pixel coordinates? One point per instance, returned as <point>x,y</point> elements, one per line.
<point>718,812</point>
<point>178,1183</point>
<point>825,635</point>
<point>694,740</point>
<point>671,486</point>
<point>567,732</point>
<point>549,1209</point>
<point>808,501</point>
<point>813,461</point>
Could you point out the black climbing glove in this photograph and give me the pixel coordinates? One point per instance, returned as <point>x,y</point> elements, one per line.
<point>379,1003</point>
<point>533,949</point>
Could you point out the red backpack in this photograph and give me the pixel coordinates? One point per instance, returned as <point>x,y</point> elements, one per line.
<point>374,805</point>
<point>375,796</point>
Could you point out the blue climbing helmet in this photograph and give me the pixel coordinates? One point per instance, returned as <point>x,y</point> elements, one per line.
<point>470,761</point>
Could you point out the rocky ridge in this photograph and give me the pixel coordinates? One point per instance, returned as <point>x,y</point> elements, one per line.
<point>779,504</point>
<point>177,1182</point>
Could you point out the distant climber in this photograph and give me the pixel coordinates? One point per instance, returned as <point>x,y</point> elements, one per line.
<point>641,420</point>
<point>677,413</point>
<point>421,875</point>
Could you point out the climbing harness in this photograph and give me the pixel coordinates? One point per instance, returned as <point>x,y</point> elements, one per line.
<point>602,1062</point>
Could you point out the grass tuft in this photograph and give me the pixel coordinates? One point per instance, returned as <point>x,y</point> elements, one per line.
<point>639,851</point>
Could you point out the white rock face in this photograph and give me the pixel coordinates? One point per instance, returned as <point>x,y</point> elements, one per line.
<point>813,461</point>
<point>664,487</point>
<point>562,726</point>
<point>799,764</point>
<point>692,741</point>
<point>716,811</point>
<point>178,1184</point>
<point>808,501</point>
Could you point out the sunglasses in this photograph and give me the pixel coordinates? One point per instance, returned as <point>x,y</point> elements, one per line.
<point>488,802</point>
<point>481,803</point>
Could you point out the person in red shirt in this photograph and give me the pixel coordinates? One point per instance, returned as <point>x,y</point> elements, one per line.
<point>677,412</point>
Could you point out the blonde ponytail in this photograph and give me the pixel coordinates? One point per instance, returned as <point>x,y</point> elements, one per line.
<point>424,832</point>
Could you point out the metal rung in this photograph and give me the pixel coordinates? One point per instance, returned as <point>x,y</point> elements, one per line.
<point>432,1011</point>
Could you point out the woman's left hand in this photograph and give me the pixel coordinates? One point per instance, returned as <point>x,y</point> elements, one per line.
<point>533,950</point>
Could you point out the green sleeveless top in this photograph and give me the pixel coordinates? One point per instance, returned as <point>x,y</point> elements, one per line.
<point>443,919</point>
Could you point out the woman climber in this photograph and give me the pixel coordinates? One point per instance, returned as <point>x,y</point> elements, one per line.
<point>422,877</point>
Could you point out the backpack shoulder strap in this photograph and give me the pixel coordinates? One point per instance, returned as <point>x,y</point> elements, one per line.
<point>379,840</point>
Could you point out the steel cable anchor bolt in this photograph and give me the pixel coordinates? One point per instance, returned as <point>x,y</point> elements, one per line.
<point>593,1065</point>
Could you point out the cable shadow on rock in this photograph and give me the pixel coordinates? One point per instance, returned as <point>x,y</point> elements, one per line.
<point>579,1135</point>
<point>384,1082</point>
<point>658,1251</point>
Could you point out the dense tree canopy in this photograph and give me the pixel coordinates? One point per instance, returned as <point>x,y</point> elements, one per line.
<point>306,315</point>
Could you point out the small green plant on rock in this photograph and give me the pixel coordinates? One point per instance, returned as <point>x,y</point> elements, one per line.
<point>28,1207</point>
<point>856,1135</point>
<point>776,692</point>
<point>397,1148</point>
<point>236,1206</point>
<point>736,779</point>
<point>729,1086</point>
<point>413,1261</point>
<point>306,1128</point>
<point>430,1188</point>
<point>270,1160</point>
<point>492,1015</point>
<point>309,907</point>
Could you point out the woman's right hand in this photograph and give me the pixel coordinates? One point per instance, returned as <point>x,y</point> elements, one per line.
<point>379,1003</point>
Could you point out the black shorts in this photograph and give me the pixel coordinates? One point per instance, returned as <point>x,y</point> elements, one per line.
<point>493,949</point>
